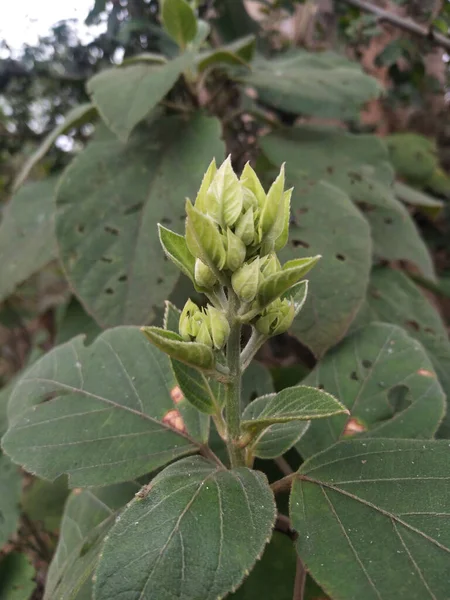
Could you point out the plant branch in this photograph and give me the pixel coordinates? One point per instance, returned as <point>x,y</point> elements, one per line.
<point>283,465</point>
<point>402,23</point>
<point>283,485</point>
<point>283,525</point>
<point>300,580</point>
<point>253,345</point>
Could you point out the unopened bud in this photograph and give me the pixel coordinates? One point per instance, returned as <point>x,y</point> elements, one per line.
<point>203,275</point>
<point>276,318</point>
<point>188,324</point>
<point>271,265</point>
<point>203,335</point>
<point>245,228</point>
<point>225,196</point>
<point>273,210</point>
<point>253,190</point>
<point>200,201</point>
<point>219,327</point>
<point>245,281</point>
<point>236,251</point>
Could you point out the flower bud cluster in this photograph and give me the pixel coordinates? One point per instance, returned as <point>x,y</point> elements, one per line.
<point>207,326</point>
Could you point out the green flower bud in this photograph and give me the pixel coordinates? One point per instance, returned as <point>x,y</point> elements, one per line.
<point>203,275</point>
<point>282,224</point>
<point>188,324</point>
<point>236,251</point>
<point>272,212</point>
<point>200,201</point>
<point>254,193</point>
<point>203,335</point>
<point>245,281</point>
<point>225,196</point>
<point>270,265</point>
<point>276,318</point>
<point>219,327</point>
<point>245,227</point>
<point>203,238</point>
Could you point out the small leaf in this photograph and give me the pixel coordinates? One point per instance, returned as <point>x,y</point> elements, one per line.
<point>11,486</point>
<point>297,294</point>
<point>359,498</point>
<point>16,577</point>
<point>179,21</point>
<point>203,238</point>
<point>175,247</point>
<point>279,283</point>
<point>299,403</point>
<point>429,205</point>
<point>161,557</point>
<point>88,515</point>
<point>191,353</point>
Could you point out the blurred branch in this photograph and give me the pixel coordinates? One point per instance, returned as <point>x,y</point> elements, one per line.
<point>402,23</point>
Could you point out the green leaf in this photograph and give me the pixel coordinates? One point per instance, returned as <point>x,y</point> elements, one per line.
<point>102,414</point>
<point>429,205</point>
<point>175,247</point>
<point>358,165</point>
<point>315,84</point>
<point>274,575</point>
<point>109,202</point>
<point>26,234</point>
<point>203,238</point>
<point>387,382</point>
<point>193,354</point>
<point>374,519</point>
<point>76,117</point>
<point>11,486</point>
<point>73,320</point>
<point>179,21</point>
<point>279,283</point>
<point>297,294</point>
<point>124,96</point>
<point>88,516</point>
<point>44,502</point>
<point>298,403</point>
<point>16,577</point>
<point>392,297</point>
<point>161,557</point>
<point>414,156</point>
<point>337,285</point>
<point>233,20</point>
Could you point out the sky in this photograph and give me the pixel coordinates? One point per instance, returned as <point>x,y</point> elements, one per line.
<point>24,20</point>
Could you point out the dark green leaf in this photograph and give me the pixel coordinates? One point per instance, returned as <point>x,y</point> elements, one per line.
<point>386,380</point>
<point>16,577</point>
<point>374,519</point>
<point>179,21</point>
<point>109,242</point>
<point>88,516</point>
<point>102,414</point>
<point>11,487</point>
<point>27,242</point>
<point>73,320</point>
<point>196,535</point>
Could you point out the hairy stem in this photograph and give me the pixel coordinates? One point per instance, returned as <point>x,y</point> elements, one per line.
<point>233,393</point>
<point>283,485</point>
<point>254,344</point>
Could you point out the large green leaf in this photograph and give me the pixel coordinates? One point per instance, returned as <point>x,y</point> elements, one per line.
<point>102,414</point>
<point>10,485</point>
<point>392,297</point>
<point>358,164</point>
<point>374,519</point>
<point>337,284</point>
<point>196,535</point>
<point>126,95</point>
<point>321,84</point>
<point>108,205</point>
<point>386,380</point>
<point>179,20</point>
<point>26,234</point>
<point>44,502</point>
<point>88,516</point>
<point>16,577</point>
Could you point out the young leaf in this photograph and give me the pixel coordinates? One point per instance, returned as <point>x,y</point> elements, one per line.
<point>161,557</point>
<point>179,21</point>
<point>299,403</point>
<point>193,354</point>
<point>16,577</point>
<point>88,515</point>
<point>176,249</point>
<point>203,238</point>
<point>113,407</point>
<point>374,517</point>
<point>297,294</point>
<point>279,283</point>
<point>386,380</point>
<point>11,486</point>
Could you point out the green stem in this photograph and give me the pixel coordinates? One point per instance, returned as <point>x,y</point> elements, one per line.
<point>233,393</point>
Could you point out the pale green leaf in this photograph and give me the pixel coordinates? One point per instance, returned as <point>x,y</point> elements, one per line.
<point>175,247</point>
<point>374,519</point>
<point>11,486</point>
<point>297,294</point>
<point>179,21</point>
<point>101,414</point>
<point>279,283</point>
<point>429,205</point>
<point>27,242</point>
<point>109,242</point>
<point>196,535</point>
<point>387,382</point>
<point>43,502</point>
<point>16,577</point>
<point>88,516</point>
<point>193,354</point>
<point>298,403</point>
<point>84,113</point>
<point>203,238</point>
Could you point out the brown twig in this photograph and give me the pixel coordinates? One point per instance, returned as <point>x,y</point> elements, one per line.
<point>402,23</point>
<point>300,580</point>
<point>283,525</point>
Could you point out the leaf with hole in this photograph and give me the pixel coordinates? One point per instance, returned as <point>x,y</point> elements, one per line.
<point>374,519</point>
<point>154,550</point>
<point>109,243</point>
<point>101,414</point>
<point>299,403</point>
<point>358,165</point>
<point>27,242</point>
<point>88,516</point>
<point>392,297</point>
<point>388,383</point>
